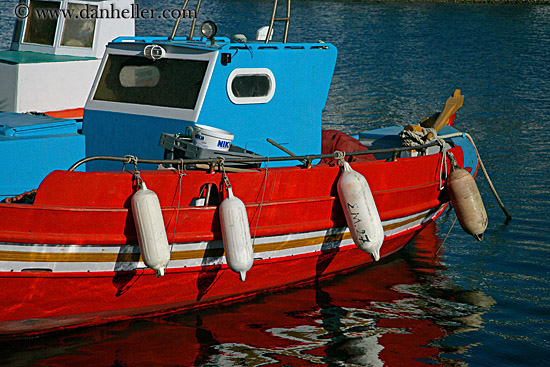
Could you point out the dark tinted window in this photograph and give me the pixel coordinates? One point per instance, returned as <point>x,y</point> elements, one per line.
<point>251,85</point>
<point>165,82</point>
<point>42,22</point>
<point>79,32</point>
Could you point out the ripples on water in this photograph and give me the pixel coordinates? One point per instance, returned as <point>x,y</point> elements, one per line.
<point>472,304</point>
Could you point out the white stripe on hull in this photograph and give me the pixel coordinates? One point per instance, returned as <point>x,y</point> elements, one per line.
<point>90,258</point>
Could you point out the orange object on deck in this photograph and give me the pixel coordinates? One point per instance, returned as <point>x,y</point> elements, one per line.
<point>74,113</point>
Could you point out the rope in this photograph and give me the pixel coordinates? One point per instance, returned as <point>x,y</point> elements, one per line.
<point>221,164</point>
<point>180,176</point>
<point>261,204</point>
<point>340,157</point>
<point>410,138</point>
<point>130,159</point>
<point>445,239</point>
<point>138,179</point>
<point>508,216</point>
<point>443,167</point>
<point>466,135</point>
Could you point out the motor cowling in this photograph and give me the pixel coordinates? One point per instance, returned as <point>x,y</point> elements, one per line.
<point>360,211</point>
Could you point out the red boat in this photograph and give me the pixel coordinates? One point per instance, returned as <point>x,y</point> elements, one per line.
<point>72,252</point>
<point>72,257</point>
<point>370,315</point>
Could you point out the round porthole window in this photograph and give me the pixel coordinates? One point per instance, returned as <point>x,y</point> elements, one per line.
<point>249,86</point>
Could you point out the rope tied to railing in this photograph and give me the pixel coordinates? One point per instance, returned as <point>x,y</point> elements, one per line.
<point>340,157</point>
<point>130,159</point>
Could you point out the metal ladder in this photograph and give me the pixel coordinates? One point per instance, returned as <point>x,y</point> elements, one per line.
<point>275,19</point>
<point>181,15</point>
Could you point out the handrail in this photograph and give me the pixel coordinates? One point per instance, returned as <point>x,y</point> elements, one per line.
<point>213,161</point>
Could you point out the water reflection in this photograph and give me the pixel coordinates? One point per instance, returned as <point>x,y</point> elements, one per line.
<point>397,312</point>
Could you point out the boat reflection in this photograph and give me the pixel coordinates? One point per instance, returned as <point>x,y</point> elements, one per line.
<point>396,313</point>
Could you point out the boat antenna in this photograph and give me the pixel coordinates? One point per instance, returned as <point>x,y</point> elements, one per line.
<point>181,14</point>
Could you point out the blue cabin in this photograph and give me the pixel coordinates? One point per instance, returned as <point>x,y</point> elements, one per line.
<point>253,90</point>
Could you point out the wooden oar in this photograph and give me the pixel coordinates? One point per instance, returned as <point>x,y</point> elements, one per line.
<point>451,106</point>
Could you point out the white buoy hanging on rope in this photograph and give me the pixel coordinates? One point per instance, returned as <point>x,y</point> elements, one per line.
<point>237,242</point>
<point>466,201</point>
<point>153,242</point>
<point>360,211</point>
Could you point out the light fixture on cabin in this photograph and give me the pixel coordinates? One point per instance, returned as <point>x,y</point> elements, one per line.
<point>154,52</point>
<point>209,30</point>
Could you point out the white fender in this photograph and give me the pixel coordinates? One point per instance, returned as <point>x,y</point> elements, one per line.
<point>360,210</point>
<point>152,239</point>
<point>467,202</point>
<point>237,241</point>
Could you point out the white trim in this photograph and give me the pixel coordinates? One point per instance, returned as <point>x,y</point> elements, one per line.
<point>157,111</point>
<point>250,71</point>
<point>182,248</point>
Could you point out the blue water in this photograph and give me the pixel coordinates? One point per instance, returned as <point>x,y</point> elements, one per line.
<point>477,304</point>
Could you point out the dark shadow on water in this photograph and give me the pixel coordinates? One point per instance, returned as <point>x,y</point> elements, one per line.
<point>207,342</point>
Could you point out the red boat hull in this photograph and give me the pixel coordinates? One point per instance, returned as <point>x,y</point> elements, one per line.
<point>72,259</point>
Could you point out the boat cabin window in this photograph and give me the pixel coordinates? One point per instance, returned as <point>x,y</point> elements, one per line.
<point>42,22</point>
<point>248,86</point>
<point>77,31</point>
<point>138,80</point>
